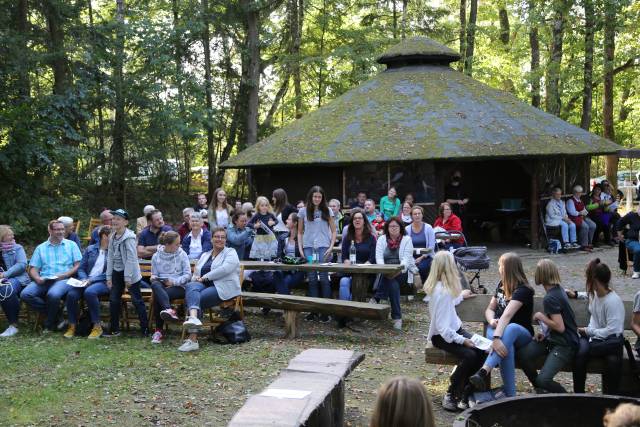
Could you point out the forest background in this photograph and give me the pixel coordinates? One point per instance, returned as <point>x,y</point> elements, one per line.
<point>114,102</point>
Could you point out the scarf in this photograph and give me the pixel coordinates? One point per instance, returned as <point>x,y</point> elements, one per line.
<point>7,246</point>
<point>394,244</point>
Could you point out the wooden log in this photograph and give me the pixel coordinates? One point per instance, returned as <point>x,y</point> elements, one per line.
<point>291,324</point>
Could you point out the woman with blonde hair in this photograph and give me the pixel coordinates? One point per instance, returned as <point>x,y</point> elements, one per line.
<point>558,340</point>
<point>445,329</point>
<point>509,318</point>
<point>219,210</point>
<point>13,277</point>
<point>402,402</point>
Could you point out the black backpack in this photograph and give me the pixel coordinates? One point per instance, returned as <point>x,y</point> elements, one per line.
<point>232,330</point>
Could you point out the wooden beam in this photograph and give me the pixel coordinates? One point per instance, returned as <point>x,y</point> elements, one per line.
<point>535,206</point>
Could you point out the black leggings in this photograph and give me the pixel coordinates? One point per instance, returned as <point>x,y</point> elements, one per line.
<point>610,350</point>
<point>469,361</point>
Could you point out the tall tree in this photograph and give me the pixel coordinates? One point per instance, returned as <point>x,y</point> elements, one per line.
<point>462,33</point>
<point>609,41</point>
<point>59,63</point>
<point>296,14</point>
<point>119,123</point>
<point>587,87</point>
<point>558,23</point>
<point>206,46</point>
<point>252,78</point>
<point>21,20</point>
<point>471,38</point>
<point>178,55</point>
<point>534,43</point>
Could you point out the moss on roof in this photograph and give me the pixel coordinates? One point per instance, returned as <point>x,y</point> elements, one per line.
<point>422,47</point>
<point>420,112</point>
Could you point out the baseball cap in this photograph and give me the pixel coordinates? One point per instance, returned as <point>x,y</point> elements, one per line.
<point>121,213</point>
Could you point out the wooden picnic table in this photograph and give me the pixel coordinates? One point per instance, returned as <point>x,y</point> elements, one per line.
<point>417,251</point>
<point>359,272</point>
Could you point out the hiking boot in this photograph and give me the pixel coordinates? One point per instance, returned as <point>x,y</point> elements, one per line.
<point>157,337</point>
<point>71,331</point>
<point>189,345</point>
<point>479,380</point>
<point>449,403</point>
<point>169,315</point>
<point>96,332</point>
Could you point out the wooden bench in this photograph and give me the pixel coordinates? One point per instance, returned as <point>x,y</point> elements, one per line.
<point>93,223</point>
<point>293,305</point>
<point>317,377</point>
<point>472,310</point>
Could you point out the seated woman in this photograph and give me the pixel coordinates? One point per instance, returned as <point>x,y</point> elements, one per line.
<point>405,214</point>
<point>558,340</point>
<point>603,337</point>
<point>395,247</point>
<point>422,236</point>
<point>509,318</point>
<point>361,236</point>
<point>578,213</point>
<point>403,402</point>
<point>13,277</point>
<point>288,247</point>
<point>446,331</point>
<point>170,272</point>
<point>449,222</point>
<point>556,216</point>
<point>92,271</point>
<point>598,212</point>
<point>198,240</point>
<point>216,279</point>
<point>239,236</point>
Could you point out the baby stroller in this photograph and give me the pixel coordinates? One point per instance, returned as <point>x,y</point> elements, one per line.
<point>473,259</point>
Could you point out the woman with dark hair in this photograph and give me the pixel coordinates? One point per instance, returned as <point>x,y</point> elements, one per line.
<point>219,210</point>
<point>317,233</point>
<point>390,204</point>
<point>360,235</point>
<point>395,247</point>
<point>603,337</point>
<point>281,209</point>
<point>288,247</point>
<point>239,235</point>
<point>598,212</point>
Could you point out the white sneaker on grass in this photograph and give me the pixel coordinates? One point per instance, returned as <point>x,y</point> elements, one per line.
<point>635,275</point>
<point>9,332</point>
<point>189,345</point>
<point>193,322</point>
<point>397,324</point>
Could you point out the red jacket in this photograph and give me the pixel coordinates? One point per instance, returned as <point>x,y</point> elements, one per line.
<point>452,224</point>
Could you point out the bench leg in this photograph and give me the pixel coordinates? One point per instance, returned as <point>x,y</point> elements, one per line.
<point>291,324</point>
<point>359,287</point>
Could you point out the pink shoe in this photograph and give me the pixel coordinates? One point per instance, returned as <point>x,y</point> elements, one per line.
<point>169,315</point>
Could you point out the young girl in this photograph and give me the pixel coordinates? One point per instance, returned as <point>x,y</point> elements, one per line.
<point>264,215</point>
<point>603,337</point>
<point>170,272</point>
<point>288,247</point>
<point>378,223</point>
<point>317,229</point>
<point>445,328</point>
<point>509,318</point>
<point>560,341</point>
<point>390,204</point>
<point>219,210</point>
<point>403,402</point>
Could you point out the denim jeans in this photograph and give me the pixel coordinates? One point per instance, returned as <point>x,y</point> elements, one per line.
<point>390,288</point>
<point>469,361</point>
<point>200,296</point>
<point>424,267</point>
<point>315,290</point>
<point>162,297</point>
<point>285,280</point>
<point>115,301</point>
<point>568,232</point>
<point>514,337</point>
<point>612,357</point>
<point>557,357</point>
<point>11,305</point>
<point>634,248</point>
<point>46,299</point>
<point>586,231</point>
<point>344,293</point>
<point>91,293</point>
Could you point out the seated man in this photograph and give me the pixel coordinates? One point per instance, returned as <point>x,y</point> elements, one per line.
<point>201,203</point>
<point>370,210</point>
<point>585,226</point>
<point>52,263</point>
<point>69,230</point>
<point>628,227</point>
<point>361,198</point>
<point>148,238</point>
<point>556,216</point>
<point>142,221</point>
<point>105,221</point>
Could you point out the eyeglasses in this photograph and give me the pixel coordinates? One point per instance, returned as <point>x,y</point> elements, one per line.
<point>220,237</point>
<point>394,226</point>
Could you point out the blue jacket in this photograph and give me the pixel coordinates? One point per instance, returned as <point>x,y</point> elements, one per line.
<point>89,259</point>
<point>205,240</point>
<point>74,238</point>
<point>240,240</point>
<point>16,262</point>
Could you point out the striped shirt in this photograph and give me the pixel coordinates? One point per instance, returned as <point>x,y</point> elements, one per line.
<point>52,259</point>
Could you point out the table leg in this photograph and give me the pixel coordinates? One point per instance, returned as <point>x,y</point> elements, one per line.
<point>359,287</point>
<point>291,324</point>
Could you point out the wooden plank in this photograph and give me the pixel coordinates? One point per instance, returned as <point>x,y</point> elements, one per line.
<point>328,267</point>
<point>326,361</point>
<point>317,305</point>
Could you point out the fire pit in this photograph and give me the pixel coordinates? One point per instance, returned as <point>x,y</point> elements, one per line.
<point>545,410</point>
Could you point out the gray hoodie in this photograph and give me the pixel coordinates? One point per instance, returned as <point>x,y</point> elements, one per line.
<point>122,256</point>
<point>174,266</point>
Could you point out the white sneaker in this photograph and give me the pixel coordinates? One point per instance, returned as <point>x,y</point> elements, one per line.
<point>372,301</point>
<point>9,332</point>
<point>397,324</point>
<point>193,322</point>
<point>189,345</point>
<point>635,275</point>
<point>157,338</point>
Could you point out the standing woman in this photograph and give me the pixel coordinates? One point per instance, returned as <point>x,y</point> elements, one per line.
<point>390,204</point>
<point>216,278</point>
<point>359,234</point>
<point>123,271</point>
<point>219,210</point>
<point>395,247</point>
<point>13,272</point>
<point>198,240</point>
<point>405,215</point>
<point>446,331</point>
<point>422,236</point>
<point>603,337</point>
<point>509,318</point>
<point>317,230</point>
<point>282,209</point>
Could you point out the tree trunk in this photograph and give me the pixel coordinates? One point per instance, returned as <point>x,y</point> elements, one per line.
<point>534,42</point>
<point>253,71</point>
<point>119,124</point>
<point>211,149</point>
<point>284,86</point>
<point>395,19</point>
<point>471,38</point>
<point>625,109</point>
<point>295,23</point>
<point>22,29</point>
<point>101,158</point>
<point>587,88</point>
<point>463,33</point>
<point>403,21</point>
<point>323,31</point>
<point>560,10</point>
<point>505,28</point>
<point>58,57</point>
<point>610,16</point>
<point>178,54</point>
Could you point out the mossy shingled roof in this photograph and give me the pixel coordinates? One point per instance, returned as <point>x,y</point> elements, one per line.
<point>420,112</point>
<point>418,47</point>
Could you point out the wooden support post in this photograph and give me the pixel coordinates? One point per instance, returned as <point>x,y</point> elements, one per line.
<point>388,176</point>
<point>359,287</point>
<point>291,324</point>
<point>535,206</point>
<point>344,188</point>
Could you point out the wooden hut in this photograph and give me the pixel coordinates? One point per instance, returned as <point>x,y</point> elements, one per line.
<point>411,125</point>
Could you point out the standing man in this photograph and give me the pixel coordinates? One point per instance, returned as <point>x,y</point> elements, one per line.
<point>201,203</point>
<point>105,221</point>
<point>456,195</point>
<point>52,263</point>
<point>148,238</point>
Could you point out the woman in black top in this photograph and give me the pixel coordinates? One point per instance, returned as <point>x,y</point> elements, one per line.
<point>281,209</point>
